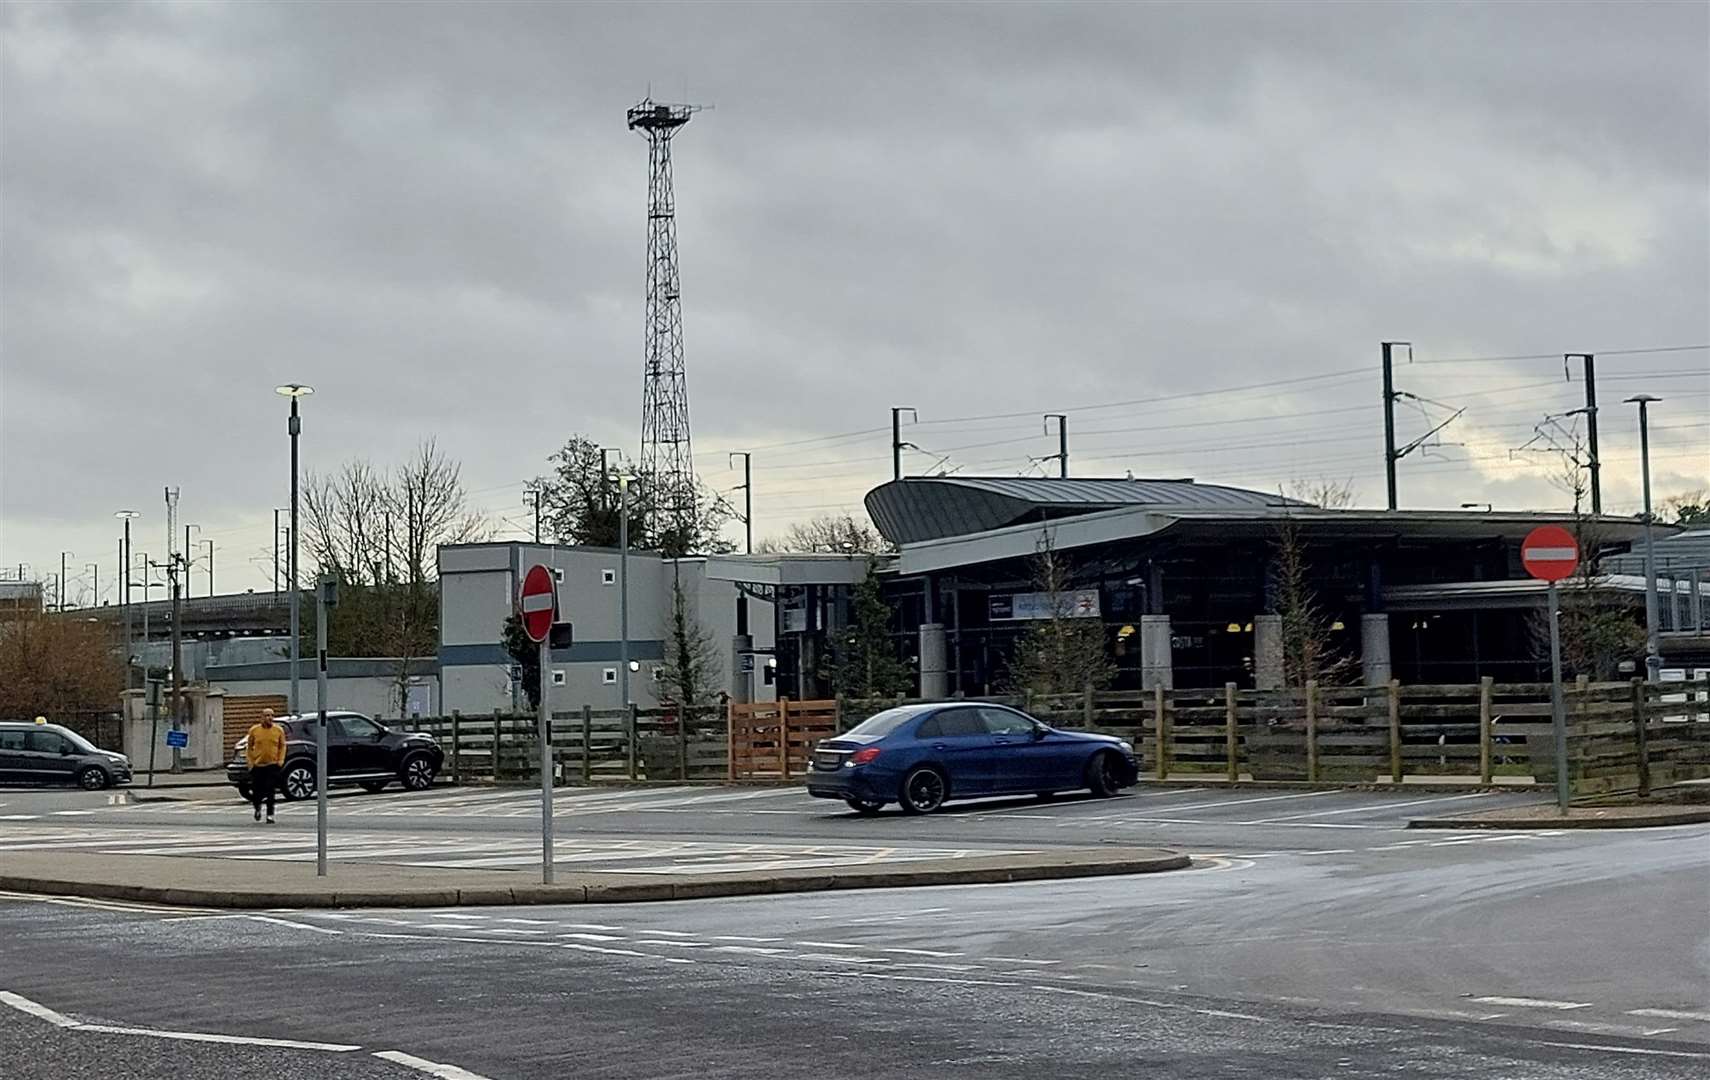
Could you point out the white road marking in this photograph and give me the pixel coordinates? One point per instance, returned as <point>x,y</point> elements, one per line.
<point>1532,1003</point>
<point>40,1012</point>
<point>582,936</point>
<point>73,813</point>
<point>232,1040</point>
<point>431,1068</point>
<point>1629,1050</point>
<point>744,937</point>
<point>1363,809</point>
<point>1243,802</point>
<point>1672,1014</point>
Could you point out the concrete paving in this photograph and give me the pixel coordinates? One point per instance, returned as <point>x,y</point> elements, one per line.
<point>1360,951</point>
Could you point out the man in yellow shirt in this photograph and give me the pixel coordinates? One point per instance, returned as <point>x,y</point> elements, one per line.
<point>265,754</point>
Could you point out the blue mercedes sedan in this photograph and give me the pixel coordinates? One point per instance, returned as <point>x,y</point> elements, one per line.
<point>921,756</point>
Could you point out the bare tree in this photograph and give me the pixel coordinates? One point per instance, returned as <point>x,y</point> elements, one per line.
<point>1687,507</point>
<point>1309,651</point>
<point>1064,652</point>
<point>54,664</point>
<point>834,533</point>
<point>1324,492</point>
<point>379,533</point>
<point>1598,628</point>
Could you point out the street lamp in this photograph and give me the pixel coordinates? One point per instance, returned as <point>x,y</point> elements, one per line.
<point>624,477</point>
<point>123,576</point>
<point>294,391</point>
<point>1653,655</point>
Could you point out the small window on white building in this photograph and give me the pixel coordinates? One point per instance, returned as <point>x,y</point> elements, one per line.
<point>609,676</point>
<point>557,676</point>
<point>608,577</point>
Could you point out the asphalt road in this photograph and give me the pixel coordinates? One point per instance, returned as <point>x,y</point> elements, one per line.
<point>1315,937</point>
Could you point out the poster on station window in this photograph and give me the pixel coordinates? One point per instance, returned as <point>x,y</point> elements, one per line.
<point>1016,607</point>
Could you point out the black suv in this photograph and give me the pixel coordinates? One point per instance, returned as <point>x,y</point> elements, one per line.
<point>359,751</point>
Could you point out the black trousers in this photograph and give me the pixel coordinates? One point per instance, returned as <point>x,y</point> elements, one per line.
<point>262,780</point>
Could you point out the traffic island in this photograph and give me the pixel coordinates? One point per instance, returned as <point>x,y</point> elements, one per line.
<point>254,884</point>
<point>1547,816</point>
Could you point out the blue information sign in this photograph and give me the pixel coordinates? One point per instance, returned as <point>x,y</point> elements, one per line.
<point>178,738</point>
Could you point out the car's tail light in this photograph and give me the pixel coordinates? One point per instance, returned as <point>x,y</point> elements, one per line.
<point>862,757</point>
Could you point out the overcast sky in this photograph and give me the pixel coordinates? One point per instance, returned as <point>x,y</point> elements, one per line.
<point>434,214</point>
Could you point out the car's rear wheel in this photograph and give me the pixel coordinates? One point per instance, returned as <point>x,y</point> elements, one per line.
<point>923,791</point>
<point>93,778</point>
<point>374,787</point>
<point>298,781</point>
<point>1102,777</point>
<point>863,807</point>
<point>417,773</point>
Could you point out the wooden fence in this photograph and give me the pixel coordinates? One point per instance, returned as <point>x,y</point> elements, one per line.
<point>588,746</point>
<point>772,740</point>
<point>1628,736</point>
<point>1621,736</point>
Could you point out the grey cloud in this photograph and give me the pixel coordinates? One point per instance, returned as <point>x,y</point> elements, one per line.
<point>434,214</point>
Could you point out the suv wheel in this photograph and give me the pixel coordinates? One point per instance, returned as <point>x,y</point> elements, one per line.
<point>298,781</point>
<point>417,773</point>
<point>93,778</point>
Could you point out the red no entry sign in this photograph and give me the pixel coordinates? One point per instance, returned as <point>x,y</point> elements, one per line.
<point>538,603</point>
<point>1549,553</point>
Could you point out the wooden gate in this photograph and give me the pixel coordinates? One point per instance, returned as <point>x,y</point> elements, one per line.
<point>772,740</point>
<point>241,712</point>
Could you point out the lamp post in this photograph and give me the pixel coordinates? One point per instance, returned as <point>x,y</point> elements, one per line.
<point>94,584</point>
<point>623,479</point>
<point>294,391</point>
<point>124,597</point>
<point>209,544</point>
<point>146,585</point>
<point>59,592</point>
<point>1653,655</point>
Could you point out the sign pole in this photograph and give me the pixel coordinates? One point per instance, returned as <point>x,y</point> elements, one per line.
<point>322,595</point>
<point>1558,714</point>
<point>545,761</point>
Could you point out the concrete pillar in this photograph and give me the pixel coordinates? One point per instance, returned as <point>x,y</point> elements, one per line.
<point>1157,665</point>
<point>1267,652</point>
<point>1674,622</point>
<point>934,678</point>
<point>741,681</point>
<point>1374,649</point>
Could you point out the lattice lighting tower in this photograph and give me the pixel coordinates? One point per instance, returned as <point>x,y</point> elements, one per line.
<point>667,467</point>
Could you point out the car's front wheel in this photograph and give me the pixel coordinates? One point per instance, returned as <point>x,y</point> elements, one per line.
<point>923,791</point>
<point>1102,778</point>
<point>863,807</point>
<point>298,781</point>
<point>417,773</point>
<point>93,778</point>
